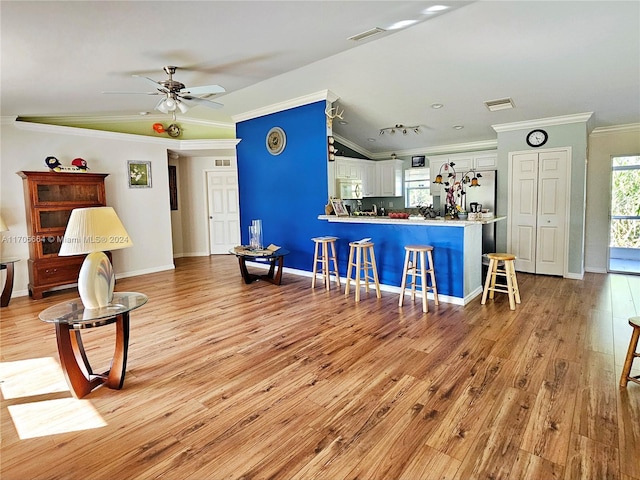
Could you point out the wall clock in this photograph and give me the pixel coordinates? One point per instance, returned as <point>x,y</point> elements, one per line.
<point>537,138</point>
<point>276,141</point>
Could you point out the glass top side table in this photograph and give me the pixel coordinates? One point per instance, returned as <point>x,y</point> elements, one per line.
<point>7,264</point>
<point>70,318</point>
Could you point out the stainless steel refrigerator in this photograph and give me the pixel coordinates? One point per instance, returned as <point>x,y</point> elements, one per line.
<point>485,195</point>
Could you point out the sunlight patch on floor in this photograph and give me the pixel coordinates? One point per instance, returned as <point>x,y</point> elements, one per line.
<point>37,377</point>
<point>52,417</point>
<point>34,376</point>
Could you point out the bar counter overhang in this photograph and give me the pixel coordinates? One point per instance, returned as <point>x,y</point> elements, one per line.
<point>457,253</point>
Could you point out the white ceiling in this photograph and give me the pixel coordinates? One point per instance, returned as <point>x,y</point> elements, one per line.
<point>552,58</point>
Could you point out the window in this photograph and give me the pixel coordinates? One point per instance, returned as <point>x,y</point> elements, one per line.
<point>417,187</point>
<point>624,233</point>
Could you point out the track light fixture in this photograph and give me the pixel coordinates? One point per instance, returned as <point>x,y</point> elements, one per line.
<point>400,129</point>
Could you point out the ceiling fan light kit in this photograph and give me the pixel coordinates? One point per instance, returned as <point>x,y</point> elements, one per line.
<point>176,94</point>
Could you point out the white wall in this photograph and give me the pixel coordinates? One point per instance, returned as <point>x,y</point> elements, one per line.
<point>145,212</point>
<point>603,144</point>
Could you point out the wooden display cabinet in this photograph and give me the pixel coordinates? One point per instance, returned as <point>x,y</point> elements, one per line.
<point>49,198</point>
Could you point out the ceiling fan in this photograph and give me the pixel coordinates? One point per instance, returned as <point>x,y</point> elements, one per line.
<point>176,96</point>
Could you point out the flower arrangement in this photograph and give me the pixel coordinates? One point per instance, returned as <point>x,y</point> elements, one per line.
<point>455,190</point>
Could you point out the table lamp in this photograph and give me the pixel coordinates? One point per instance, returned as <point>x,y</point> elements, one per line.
<point>93,231</point>
<point>3,226</point>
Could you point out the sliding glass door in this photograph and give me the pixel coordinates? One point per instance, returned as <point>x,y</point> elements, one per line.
<point>624,230</point>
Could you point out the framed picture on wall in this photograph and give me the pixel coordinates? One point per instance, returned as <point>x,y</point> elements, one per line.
<point>139,174</point>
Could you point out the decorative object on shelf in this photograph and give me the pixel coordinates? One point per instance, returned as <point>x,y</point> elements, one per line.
<point>455,189</point>
<point>332,113</point>
<point>174,130</point>
<point>276,141</point>
<point>537,138</point>
<point>400,129</point>
<point>331,149</point>
<point>158,128</point>
<point>139,174</point>
<point>81,163</point>
<point>417,161</point>
<point>93,231</point>
<point>338,207</point>
<point>255,235</point>
<point>52,162</point>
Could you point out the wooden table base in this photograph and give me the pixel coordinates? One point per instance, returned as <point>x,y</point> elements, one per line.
<point>274,276</point>
<point>75,364</point>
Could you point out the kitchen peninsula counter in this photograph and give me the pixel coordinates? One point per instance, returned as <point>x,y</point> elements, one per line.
<point>457,250</point>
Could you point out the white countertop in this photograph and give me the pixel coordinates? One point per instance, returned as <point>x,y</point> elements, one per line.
<point>409,221</point>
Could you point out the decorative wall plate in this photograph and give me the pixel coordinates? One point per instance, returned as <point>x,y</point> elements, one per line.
<point>276,141</point>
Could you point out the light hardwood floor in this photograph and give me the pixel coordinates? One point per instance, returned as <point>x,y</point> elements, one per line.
<point>227,380</point>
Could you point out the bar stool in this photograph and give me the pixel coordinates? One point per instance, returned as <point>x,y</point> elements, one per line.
<point>359,251</point>
<point>509,271</point>
<point>323,257</point>
<point>415,265</point>
<point>631,354</point>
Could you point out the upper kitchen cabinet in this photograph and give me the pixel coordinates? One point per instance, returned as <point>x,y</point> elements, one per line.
<point>463,162</point>
<point>348,168</point>
<point>389,173</point>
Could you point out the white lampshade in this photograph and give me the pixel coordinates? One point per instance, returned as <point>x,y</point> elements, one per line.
<point>3,226</point>
<point>93,231</point>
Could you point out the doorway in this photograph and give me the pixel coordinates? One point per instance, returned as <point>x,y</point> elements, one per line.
<point>223,208</point>
<point>624,218</point>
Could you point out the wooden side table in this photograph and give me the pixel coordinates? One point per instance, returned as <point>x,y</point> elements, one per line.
<point>7,264</point>
<point>70,318</point>
<point>275,259</point>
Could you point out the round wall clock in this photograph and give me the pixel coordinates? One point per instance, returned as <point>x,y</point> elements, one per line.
<point>537,138</point>
<point>276,141</point>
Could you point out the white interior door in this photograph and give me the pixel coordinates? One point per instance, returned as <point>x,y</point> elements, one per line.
<point>523,212</point>
<point>538,210</point>
<point>224,210</point>
<point>552,212</point>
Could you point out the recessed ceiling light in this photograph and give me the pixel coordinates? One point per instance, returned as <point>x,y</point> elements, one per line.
<point>371,139</point>
<point>368,33</point>
<point>144,113</point>
<point>435,9</point>
<point>343,122</point>
<point>437,105</point>
<point>401,24</point>
<point>458,127</point>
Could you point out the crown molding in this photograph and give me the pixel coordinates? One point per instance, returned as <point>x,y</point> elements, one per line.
<point>327,95</point>
<point>353,146</point>
<point>630,127</point>
<point>216,144</point>
<point>108,119</point>
<point>543,122</point>
<point>440,149</point>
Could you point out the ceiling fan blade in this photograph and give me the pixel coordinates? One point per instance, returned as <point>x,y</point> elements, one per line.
<point>153,82</point>
<point>201,101</point>
<point>134,93</point>
<point>205,89</point>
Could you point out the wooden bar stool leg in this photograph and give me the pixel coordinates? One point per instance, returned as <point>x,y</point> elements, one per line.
<point>358,273</point>
<point>487,283</point>
<point>350,264</point>
<point>423,279</point>
<point>375,272</point>
<point>366,265</point>
<point>631,354</point>
<point>335,263</point>
<point>315,265</point>
<point>432,273</point>
<point>515,282</point>
<point>413,270</point>
<point>507,269</point>
<point>405,273</point>
<point>325,265</point>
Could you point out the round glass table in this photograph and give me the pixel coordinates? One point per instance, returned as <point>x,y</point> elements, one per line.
<point>70,318</point>
<point>275,258</point>
<point>7,264</point>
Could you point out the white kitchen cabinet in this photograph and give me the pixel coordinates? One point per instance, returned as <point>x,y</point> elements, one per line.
<point>463,162</point>
<point>369,179</point>
<point>389,173</point>
<point>348,168</point>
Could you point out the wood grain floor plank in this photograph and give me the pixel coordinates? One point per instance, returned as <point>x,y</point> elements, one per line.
<point>228,380</point>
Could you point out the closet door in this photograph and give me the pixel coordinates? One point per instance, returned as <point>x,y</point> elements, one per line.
<point>538,206</point>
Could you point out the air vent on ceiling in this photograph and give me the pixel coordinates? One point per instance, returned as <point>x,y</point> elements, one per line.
<point>368,33</point>
<point>501,104</point>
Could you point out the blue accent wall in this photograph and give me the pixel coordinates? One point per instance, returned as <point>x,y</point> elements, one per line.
<point>287,191</point>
